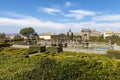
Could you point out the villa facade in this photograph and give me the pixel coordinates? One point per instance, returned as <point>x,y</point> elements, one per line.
<point>46,36</point>
<point>110,33</point>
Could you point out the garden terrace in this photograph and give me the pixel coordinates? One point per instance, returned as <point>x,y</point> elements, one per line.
<point>64,66</point>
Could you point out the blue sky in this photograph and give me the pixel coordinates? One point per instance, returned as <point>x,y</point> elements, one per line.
<point>58,16</point>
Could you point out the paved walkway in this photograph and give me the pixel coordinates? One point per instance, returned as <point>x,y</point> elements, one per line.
<point>20,46</point>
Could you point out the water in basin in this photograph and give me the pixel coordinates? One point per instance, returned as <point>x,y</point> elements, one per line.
<point>101,49</point>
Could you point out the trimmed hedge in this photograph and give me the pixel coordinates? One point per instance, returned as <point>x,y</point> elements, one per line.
<point>53,44</point>
<point>36,49</point>
<point>54,49</point>
<point>65,66</point>
<point>59,44</point>
<point>1,49</point>
<point>4,45</point>
<point>41,68</point>
<point>4,40</point>
<point>20,42</point>
<point>114,53</point>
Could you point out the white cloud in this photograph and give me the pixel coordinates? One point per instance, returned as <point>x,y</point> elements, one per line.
<point>34,22</point>
<point>51,11</point>
<point>79,14</point>
<point>27,21</point>
<point>67,4</point>
<point>83,12</point>
<point>108,17</point>
<point>30,21</point>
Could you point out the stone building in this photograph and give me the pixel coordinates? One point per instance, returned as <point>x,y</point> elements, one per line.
<point>110,33</point>
<point>95,33</point>
<point>46,36</point>
<point>85,33</point>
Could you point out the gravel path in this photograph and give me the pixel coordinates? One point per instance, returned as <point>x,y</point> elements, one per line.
<point>84,50</point>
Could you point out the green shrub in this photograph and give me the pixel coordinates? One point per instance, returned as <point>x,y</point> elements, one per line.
<point>1,49</point>
<point>65,66</point>
<point>114,53</point>
<point>4,45</point>
<point>13,51</point>
<point>26,56</point>
<point>20,42</point>
<point>3,41</point>
<point>36,49</point>
<point>54,49</point>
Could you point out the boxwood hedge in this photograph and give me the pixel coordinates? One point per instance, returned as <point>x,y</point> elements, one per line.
<point>36,49</point>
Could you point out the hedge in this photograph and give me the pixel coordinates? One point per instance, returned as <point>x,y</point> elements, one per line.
<point>4,40</point>
<point>114,53</point>
<point>36,49</point>
<point>54,49</point>
<point>65,66</point>
<point>20,42</point>
<point>4,45</point>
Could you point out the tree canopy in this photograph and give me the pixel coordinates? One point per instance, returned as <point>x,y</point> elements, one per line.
<point>2,35</point>
<point>28,32</point>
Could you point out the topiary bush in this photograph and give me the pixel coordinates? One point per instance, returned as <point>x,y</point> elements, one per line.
<point>20,42</point>
<point>4,41</point>
<point>1,49</point>
<point>65,66</point>
<point>54,49</point>
<point>36,49</point>
<point>114,53</point>
<point>4,45</point>
<point>13,51</point>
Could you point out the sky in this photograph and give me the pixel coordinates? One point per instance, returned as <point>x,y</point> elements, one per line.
<point>58,16</point>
